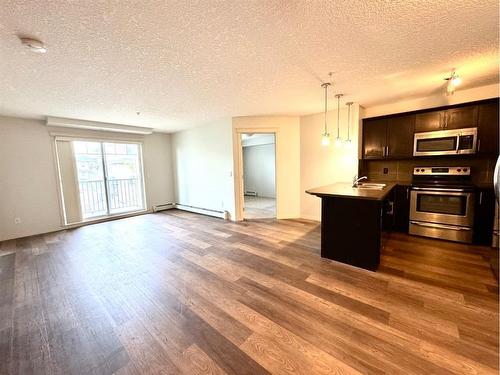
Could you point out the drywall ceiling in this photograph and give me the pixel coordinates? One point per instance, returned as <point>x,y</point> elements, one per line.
<point>183,63</point>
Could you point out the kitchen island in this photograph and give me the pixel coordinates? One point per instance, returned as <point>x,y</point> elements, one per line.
<point>351,222</point>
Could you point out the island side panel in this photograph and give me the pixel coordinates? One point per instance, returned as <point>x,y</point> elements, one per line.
<point>350,231</point>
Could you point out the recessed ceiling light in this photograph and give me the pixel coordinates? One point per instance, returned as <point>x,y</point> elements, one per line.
<point>34,45</point>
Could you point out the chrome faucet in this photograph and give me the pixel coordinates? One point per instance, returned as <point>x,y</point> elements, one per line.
<point>355,180</point>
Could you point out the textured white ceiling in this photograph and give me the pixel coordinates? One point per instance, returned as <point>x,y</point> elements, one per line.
<point>182,63</point>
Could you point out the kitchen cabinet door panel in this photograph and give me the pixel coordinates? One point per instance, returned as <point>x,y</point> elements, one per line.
<point>429,121</point>
<point>374,138</point>
<point>400,136</point>
<point>488,128</point>
<point>462,117</point>
<point>484,213</point>
<point>402,208</point>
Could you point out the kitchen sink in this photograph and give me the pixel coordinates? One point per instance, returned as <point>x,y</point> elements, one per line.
<point>370,185</point>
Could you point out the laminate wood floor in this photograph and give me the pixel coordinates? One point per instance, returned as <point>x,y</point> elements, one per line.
<point>176,292</point>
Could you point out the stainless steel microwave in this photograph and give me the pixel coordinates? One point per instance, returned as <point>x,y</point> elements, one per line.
<point>445,142</point>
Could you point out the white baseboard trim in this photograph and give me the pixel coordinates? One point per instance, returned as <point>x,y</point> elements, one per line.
<point>204,211</point>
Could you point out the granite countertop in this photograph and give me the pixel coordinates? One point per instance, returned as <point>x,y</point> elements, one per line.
<point>345,190</point>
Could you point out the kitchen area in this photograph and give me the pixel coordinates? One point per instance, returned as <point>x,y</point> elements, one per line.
<point>427,173</point>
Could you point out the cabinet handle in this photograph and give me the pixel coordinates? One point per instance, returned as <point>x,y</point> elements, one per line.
<point>478,145</point>
<point>408,193</point>
<point>386,150</point>
<point>481,197</point>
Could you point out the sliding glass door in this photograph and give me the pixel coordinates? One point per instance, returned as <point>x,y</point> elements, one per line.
<point>123,176</point>
<point>109,178</point>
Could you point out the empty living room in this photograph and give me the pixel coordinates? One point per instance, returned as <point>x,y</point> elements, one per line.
<point>249,187</point>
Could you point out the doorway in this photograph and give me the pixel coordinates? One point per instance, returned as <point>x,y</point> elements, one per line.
<point>99,179</point>
<point>259,175</point>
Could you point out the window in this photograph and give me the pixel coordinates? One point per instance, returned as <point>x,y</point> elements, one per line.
<point>107,178</point>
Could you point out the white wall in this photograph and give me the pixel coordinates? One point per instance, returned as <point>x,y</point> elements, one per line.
<point>158,169</point>
<point>324,165</point>
<point>460,96</point>
<point>287,130</point>
<point>203,166</point>
<point>28,182</point>
<point>259,169</point>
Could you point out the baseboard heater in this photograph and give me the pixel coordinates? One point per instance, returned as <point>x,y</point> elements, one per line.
<point>250,193</point>
<point>205,211</point>
<point>162,207</point>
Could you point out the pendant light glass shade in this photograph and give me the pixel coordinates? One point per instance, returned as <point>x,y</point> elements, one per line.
<point>325,138</point>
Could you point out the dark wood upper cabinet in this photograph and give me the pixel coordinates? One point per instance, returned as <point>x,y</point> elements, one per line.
<point>429,121</point>
<point>391,137</point>
<point>374,138</point>
<point>400,131</point>
<point>462,117</point>
<point>487,128</point>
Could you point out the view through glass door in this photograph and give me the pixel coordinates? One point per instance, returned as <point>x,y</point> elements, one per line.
<point>109,178</point>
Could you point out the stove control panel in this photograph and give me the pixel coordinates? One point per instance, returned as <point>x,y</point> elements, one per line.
<point>441,171</point>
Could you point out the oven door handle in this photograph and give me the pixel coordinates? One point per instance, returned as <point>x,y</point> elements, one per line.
<point>438,189</point>
<point>439,226</point>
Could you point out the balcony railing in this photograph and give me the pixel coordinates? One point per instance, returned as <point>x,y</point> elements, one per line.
<point>123,195</point>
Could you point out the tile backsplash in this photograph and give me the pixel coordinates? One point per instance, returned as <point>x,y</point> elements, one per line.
<point>401,170</point>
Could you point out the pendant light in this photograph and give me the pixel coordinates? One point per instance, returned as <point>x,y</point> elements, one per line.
<point>325,138</point>
<point>338,141</point>
<point>348,142</point>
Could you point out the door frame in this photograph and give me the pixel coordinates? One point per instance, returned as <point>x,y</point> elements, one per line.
<point>239,188</point>
<point>102,140</point>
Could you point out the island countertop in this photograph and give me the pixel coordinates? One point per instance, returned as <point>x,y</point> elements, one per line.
<point>345,190</point>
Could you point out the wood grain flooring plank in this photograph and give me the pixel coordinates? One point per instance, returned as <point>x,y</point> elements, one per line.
<point>181,293</point>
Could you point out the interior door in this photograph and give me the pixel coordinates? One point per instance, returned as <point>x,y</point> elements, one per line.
<point>400,136</point>
<point>374,138</point>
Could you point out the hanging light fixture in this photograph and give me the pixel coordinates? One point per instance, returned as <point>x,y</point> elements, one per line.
<point>348,142</point>
<point>454,80</point>
<point>338,140</point>
<point>325,138</point>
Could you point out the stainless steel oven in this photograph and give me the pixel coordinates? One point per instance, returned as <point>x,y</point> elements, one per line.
<point>445,142</point>
<point>442,207</point>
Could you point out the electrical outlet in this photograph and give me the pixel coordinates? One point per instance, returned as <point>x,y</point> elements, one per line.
<point>17,220</point>
<point>386,170</point>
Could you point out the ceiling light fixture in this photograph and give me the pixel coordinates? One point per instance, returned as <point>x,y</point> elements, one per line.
<point>325,138</point>
<point>338,141</point>
<point>454,80</point>
<point>34,45</point>
<point>348,142</point>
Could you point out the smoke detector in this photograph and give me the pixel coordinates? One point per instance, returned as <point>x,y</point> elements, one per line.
<point>34,45</point>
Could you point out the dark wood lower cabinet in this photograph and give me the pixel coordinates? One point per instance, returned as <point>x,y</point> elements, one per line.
<point>350,231</point>
<point>401,208</point>
<point>484,214</point>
